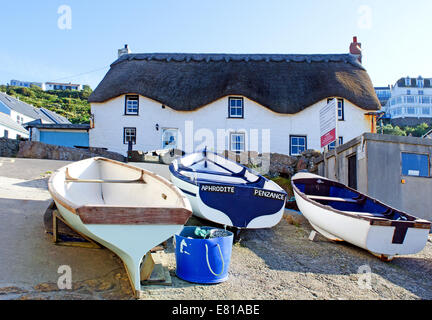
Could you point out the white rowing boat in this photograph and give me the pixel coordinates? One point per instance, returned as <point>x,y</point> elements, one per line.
<point>341,213</point>
<point>126,209</point>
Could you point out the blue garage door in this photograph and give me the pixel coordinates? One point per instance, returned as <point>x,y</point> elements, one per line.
<point>67,139</point>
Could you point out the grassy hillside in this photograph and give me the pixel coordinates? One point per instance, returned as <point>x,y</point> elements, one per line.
<point>71,104</point>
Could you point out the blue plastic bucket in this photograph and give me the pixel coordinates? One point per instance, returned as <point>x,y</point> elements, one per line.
<point>203,260</point>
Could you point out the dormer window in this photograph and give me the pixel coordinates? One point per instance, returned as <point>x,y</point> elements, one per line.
<point>235,107</point>
<point>420,83</point>
<point>407,81</point>
<point>131,105</point>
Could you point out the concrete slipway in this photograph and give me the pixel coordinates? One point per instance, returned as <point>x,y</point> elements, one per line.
<point>278,263</point>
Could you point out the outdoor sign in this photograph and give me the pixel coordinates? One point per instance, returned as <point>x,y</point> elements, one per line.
<point>328,121</point>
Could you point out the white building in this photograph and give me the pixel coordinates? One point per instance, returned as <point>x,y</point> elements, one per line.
<point>27,84</point>
<point>22,113</point>
<point>238,102</point>
<point>62,86</point>
<point>410,102</point>
<point>47,85</point>
<point>10,129</point>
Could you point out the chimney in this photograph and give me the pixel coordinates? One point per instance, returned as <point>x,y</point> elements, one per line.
<point>355,49</point>
<point>123,51</point>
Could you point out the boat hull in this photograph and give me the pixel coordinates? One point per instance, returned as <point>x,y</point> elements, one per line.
<point>376,236</point>
<point>117,228</point>
<point>233,205</point>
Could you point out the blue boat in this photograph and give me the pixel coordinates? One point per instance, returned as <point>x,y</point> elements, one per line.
<point>227,193</point>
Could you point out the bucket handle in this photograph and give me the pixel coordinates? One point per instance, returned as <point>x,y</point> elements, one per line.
<point>208,263</point>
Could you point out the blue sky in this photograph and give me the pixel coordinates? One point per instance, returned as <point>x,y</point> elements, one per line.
<point>394,33</point>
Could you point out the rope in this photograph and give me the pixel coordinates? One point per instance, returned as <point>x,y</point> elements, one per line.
<point>208,263</point>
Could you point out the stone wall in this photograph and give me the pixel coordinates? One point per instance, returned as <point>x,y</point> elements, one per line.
<point>9,147</point>
<point>39,150</point>
<point>276,163</point>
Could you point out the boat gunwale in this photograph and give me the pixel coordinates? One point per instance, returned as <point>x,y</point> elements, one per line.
<point>417,223</point>
<point>73,208</point>
<point>197,182</point>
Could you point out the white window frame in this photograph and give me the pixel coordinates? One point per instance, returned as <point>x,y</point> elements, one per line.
<point>291,145</point>
<point>233,142</point>
<point>230,108</point>
<point>127,135</point>
<point>131,105</point>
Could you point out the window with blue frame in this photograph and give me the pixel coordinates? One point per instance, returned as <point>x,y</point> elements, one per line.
<point>340,108</point>
<point>235,107</point>
<point>131,105</point>
<point>414,164</point>
<point>237,142</point>
<point>332,145</point>
<point>298,144</point>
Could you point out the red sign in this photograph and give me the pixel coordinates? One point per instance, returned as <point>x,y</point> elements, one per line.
<point>328,120</point>
<point>328,138</point>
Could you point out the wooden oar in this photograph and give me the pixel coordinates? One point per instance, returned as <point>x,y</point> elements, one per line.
<point>332,198</point>
<point>69,178</point>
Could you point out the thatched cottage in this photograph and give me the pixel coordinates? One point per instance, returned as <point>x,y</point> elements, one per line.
<point>238,102</point>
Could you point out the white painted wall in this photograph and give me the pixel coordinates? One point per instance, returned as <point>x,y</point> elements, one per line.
<point>14,114</point>
<point>12,134</point>
<point>257,122</point>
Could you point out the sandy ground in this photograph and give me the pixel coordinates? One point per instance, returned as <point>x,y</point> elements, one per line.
<point>279,263</point>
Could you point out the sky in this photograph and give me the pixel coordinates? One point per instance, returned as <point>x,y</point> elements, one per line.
<point>76,40</point>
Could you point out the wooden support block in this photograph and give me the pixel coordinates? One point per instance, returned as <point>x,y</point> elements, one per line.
<point>147,267</point>
<point>159,276</point>
<point>89,243</point>
<point>160,247</point>
<point>313,235</point>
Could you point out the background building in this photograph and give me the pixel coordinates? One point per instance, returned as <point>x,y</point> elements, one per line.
<point>410,102</point>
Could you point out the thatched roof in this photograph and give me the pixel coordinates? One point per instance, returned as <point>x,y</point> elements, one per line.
<point>280,82</point>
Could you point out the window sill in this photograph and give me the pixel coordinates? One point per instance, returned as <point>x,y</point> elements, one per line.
<point>235,117</point>
<point>130,114</point>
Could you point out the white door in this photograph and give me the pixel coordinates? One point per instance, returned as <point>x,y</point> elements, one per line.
<point>169,138</point>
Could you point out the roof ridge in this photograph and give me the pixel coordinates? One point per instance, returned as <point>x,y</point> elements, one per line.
<point>227,57</point>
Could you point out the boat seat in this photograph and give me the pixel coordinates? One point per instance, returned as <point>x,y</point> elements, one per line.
<point>339,199</point>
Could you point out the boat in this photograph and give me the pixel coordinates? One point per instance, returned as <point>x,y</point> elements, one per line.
<point>227,193</point>
<point>127,209</point>
<point>341,213</point>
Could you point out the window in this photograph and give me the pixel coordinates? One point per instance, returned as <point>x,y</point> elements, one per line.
<point>408,91</point>
<point>420,92</point>
<point>235,108</point>
<point>414,164</point>
<point>131,105</point>
<point>297,145</point>
<point>340,108</point>
<point>129,134</point>
<point>420,83</point>
<point>425,100</point>
<point>426,110</point>
<point>332,145</point>
<point>410,99</point>
<point>6,134</point>
<point>407,81</point>
<point>237,142</point>
<point>411,110</point>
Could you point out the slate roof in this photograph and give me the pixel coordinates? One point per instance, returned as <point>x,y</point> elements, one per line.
<point>284,83</point>
<point>44,114</point>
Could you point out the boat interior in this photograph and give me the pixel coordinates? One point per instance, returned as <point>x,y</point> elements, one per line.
<point>340,197</point>
<point>102,182</point>
<point>210,167</point>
